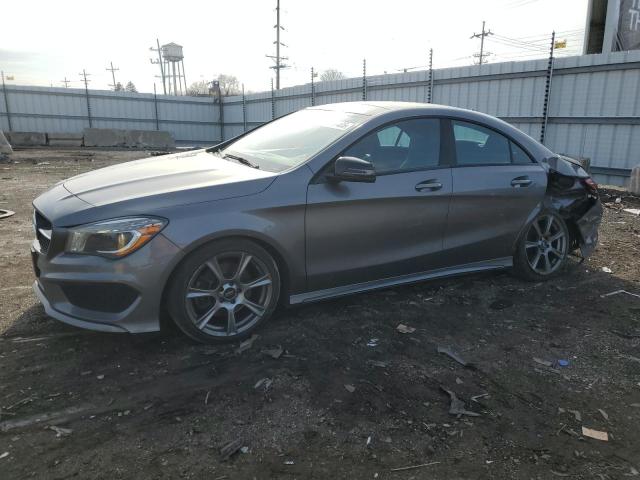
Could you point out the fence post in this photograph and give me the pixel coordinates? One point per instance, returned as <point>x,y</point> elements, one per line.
<point>547,91</point>
<point>364,79</point>
<point>6,102</point>
<point>221,114</point>
<point>430,84</point>
<point>273,102</point>
<point>155,105</point>
<point>313,88</point>
<point>244,110</point>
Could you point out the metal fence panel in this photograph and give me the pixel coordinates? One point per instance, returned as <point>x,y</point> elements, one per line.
<point>594,106</point>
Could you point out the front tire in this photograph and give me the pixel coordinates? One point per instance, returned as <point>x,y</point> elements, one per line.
<point>223,291</point>
<point>543,248</point>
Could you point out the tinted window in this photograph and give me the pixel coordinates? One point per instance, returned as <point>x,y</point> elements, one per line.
<point>518,155</point>
<point>476,145</point>
<point>404,146</point>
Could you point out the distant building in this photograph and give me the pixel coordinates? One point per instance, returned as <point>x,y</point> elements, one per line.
<point>612,26</point>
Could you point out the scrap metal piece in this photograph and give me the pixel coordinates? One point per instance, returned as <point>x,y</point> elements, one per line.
<point>6,213</point>
<point>454,355</point>
<point>458,406</point>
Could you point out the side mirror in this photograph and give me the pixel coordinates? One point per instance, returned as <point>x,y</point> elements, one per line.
<point>352,169</point>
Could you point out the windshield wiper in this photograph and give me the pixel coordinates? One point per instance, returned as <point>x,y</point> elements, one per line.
<point>243,161</point>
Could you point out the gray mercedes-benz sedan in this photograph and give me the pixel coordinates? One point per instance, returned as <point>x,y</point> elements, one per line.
<point>324,202</point>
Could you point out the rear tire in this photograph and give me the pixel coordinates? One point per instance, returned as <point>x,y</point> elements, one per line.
<point>542,249</point>
<point>224,291</point>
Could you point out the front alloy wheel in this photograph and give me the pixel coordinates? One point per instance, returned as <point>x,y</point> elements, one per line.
<point>224,291</point>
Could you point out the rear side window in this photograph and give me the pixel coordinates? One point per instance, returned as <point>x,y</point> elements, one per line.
<point>476,145</point>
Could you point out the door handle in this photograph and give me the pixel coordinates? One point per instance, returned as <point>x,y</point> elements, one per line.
<point>521,182</point>
<point>430,185</point>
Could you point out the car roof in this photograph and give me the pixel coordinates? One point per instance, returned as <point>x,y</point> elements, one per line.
<point>379,108</point>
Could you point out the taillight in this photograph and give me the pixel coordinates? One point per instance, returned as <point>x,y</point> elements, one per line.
<point>590,185</point>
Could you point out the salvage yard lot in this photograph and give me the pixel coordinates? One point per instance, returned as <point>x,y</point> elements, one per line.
<point>350,395</point>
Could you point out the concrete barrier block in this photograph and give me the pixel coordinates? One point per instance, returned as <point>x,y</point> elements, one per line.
<point>634,180</point>
<point>27,139</point>
<point>149,139</point>
<point>5,146</point>
<point>65,139</point>
<point>104,137</point>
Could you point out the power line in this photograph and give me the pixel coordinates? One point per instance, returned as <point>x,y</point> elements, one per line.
<point>485,33</point>
<point>66,82</point>
<point>277,58</point>
<point>113,74</point>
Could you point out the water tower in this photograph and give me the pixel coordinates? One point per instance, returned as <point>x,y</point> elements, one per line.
<point>173,61</point>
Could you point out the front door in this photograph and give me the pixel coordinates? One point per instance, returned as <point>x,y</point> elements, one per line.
<point>360,232</point>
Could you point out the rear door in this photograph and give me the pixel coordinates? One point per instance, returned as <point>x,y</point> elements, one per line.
<point>496,185</point>
<point>360,232</point>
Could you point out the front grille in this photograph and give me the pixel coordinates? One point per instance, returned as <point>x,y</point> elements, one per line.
<point>43,229</point>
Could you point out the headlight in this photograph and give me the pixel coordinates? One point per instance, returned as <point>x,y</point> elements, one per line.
<point>113,238</point>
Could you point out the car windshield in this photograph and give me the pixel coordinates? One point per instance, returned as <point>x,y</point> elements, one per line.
<point>291,140</point>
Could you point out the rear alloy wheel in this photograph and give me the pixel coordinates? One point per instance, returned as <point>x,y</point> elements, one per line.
<point>223,291</point>
<point>543,249</point>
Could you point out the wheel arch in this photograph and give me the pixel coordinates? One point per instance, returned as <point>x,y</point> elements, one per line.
<point>268,244</point>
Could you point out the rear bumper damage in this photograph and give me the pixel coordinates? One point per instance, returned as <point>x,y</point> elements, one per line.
<point>588,226</point>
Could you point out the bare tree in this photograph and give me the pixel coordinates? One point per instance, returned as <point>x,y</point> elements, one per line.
<point>199,89</point>
<point>119,87</point>
<point>332,74</point>
<point>131,87</point>
<point>229,85</point>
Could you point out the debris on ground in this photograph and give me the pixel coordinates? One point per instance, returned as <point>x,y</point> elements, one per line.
<point>230,449</point>
<point>349,388</point>
<point>274,353</point>
<point>500,304</point>
<point>60,432</point>
<point>377,363</point>
<point>246,345</point>
<point>6,213</point>
<point>457,406</point>
<point>607,270</point>
<point>411,467</point>
<point>562,363</point>
<point>604,414</point>
<point>373,342</point>
<point>4,455</point>
<point>618,292</point>
<point>289,462</point>
<point>265,383</point>
<point>577,415</point>
<point>596,434</point>
<point>633,211</point>
<point>454,355</point>
<point>405,328</point>
<point>206,398</point>
<point>544,363</point>
<point>476,397</point>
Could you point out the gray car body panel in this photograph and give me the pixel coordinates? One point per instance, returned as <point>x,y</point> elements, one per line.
<point>329,239</point>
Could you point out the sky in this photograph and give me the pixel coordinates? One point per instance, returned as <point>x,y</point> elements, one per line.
<point>43,42</point>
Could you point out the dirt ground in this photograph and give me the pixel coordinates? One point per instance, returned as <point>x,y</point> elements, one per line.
<point>351,396</point>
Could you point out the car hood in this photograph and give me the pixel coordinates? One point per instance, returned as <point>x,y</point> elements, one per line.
<point>182,178</point>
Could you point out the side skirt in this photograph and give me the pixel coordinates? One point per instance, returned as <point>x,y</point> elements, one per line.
<point>495,264</point>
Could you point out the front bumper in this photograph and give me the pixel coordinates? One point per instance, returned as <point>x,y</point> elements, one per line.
<point>96,293</point>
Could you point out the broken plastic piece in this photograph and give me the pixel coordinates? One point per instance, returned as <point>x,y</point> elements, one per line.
<point>457,406</point>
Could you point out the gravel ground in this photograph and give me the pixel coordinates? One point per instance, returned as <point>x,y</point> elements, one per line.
<point>350,396</point>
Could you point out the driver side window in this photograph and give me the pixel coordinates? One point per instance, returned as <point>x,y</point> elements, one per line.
<point>403,146</point>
